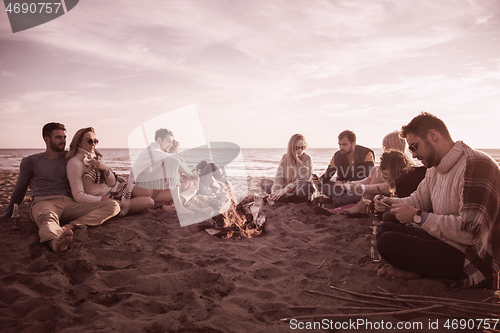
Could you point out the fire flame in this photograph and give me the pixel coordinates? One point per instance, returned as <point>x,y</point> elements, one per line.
<point>233,218</point>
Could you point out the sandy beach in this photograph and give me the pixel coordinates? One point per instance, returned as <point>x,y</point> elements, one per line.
<point>144,273</point>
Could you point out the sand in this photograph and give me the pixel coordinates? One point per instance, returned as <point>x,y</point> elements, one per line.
<point>144,273</point>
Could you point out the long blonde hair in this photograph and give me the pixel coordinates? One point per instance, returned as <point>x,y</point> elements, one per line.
<point>393,141</point>
<point>77,138</point>
<point>292,162</point>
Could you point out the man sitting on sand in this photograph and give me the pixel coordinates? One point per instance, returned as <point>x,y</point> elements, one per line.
<point>456,209</point>
<point>51,200</point>
<point>351,162</point>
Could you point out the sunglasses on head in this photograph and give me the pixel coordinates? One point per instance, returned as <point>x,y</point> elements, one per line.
<point>91,141</point>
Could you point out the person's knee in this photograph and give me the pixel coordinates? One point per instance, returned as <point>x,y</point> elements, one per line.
<point>46,216</point>
<point>386,226</point>
<point>111,205</point>
<point>384,244</point>
<point>148,202</point>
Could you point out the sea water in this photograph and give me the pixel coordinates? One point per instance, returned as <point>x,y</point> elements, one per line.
<point>253,162</point>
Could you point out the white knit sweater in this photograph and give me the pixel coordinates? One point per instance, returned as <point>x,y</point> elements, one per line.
<point>91,192</point>
<point>441,192</point>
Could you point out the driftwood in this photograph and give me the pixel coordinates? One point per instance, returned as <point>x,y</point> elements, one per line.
<point>357,315</point>
<point>388,304</point>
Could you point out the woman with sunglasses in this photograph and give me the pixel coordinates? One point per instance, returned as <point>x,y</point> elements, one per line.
<point>91,180</point>
<point>293,180</point>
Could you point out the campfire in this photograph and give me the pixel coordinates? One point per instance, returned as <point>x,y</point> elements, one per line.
<point>243,219</point>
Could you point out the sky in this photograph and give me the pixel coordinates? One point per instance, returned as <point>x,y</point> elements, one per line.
<point>255,71</point>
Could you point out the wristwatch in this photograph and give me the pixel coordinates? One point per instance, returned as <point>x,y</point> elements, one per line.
<point>418,217</point>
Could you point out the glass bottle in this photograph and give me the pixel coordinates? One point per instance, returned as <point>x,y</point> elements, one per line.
<point>16,220</point>
<point>373,246</point>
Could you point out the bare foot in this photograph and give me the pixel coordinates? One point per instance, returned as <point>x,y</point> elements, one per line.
<point>360,208</point>
<point>393,272</point>
<point>168,208</point>
<point>61,244</point>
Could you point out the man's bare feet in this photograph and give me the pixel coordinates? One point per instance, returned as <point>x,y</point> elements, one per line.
<point>391,271</point>
<point>61,244</point>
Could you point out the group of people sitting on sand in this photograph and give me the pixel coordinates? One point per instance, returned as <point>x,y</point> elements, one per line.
<point>441,220</point>
<point>77,186</point>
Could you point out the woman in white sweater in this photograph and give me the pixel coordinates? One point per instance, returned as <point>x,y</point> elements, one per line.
<point>293,180</point>
<point>92,180</point>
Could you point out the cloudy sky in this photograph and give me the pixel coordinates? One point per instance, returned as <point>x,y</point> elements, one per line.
<point>257,71</point>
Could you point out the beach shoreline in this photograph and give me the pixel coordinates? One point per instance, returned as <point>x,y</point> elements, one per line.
<point>145,273</point>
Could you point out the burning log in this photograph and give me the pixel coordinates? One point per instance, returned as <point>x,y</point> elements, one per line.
<point>239,220</point>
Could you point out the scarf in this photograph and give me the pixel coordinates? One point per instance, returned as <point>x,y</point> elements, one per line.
<point>481,210</point>
<point>121,191</point>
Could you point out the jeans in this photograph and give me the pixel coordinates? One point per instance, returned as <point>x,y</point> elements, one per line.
<point>339,196</point>
<point>414,249</point>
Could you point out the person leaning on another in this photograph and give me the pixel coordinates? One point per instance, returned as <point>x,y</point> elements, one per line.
<point>51,201</point>
<point>455,211</point>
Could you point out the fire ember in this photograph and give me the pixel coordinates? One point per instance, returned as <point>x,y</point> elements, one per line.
<point>243,219</point>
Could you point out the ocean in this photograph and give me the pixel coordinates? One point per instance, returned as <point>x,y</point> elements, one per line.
<point>254,162</point>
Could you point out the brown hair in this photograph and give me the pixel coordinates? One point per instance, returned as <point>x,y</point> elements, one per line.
<point>48,128</point>
<point>348,134</point>
<point>73,147</point>
<point>175,147</point>
<point>396,163</point>
<point>162,133</point>
<point>423,123</point>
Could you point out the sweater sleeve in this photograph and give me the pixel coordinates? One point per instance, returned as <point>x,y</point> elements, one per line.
<point>75,170</point>
<point>109,178</point>
<point>23,180</point>
<point>448,227</point>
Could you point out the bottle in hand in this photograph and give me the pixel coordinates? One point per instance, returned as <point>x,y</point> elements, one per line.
<point>16,220</point>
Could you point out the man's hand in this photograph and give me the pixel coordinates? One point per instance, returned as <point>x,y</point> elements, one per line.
<point>404,212</point>
<point>382,203</point>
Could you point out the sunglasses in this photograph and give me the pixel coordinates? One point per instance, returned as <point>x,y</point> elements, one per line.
<point>414,146</point>
<point>300,147</point>
<point>91,141</point>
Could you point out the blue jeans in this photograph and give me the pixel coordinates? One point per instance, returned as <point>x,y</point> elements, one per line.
<point>339,196</point>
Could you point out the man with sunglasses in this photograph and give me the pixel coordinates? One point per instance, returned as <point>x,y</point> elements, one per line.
<point>455,212</point>
<point>351,162</point>
<point>51,200</point>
